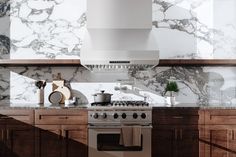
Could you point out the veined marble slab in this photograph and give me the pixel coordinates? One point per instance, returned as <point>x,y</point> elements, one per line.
<point>184,28</point>
<point>198,85</point>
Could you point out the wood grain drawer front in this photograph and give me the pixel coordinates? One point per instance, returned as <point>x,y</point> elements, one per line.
<point>62,116</point>
<point>220,116</point>
<point>77,133</point>
<point>15,116</point>
<point>177,116</point>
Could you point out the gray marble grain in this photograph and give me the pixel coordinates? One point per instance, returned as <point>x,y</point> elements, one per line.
<point>198,85</point>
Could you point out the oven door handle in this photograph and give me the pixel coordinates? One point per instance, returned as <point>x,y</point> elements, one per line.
<point>116,127</point>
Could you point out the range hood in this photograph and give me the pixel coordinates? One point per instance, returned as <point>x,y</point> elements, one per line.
<point>119,36</point>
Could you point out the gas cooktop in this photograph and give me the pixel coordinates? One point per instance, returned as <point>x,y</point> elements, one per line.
<point>121,104</point>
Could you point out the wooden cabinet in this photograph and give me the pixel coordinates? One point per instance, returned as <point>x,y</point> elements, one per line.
<point>2,144</point>
<point>20,140</point>
<point>75,140</point>
<point>43,133</point>
<point>176,132</point>
<point>220,133</point>
<point>61,133</point>
<point>17,133</point>
<point>49,141</point>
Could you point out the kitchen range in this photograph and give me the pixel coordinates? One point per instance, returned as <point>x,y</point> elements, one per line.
<point>120,129</point>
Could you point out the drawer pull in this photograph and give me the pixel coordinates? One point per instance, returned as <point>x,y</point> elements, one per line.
<point>176,132</point>
<point>7,134</point>
<point>2,131</point>
<point>63,117</point>
<point>181,134</point>
<point>177,117</point>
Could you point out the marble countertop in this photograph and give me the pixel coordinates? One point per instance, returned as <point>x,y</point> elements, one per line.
<point>40,106</point>
<point>193,105</point>
<point>84,106</point>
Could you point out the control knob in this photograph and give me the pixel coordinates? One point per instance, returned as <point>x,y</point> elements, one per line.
<point>123,115</point>
<point>115,115</point>
<point>143,116</point>
<point>135,115</point>
<point>104,115</point>
<point>95,115</point>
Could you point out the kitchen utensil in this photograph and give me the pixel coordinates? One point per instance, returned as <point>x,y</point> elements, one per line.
<point>55,97</point>
<point>39,84</point>
<point>44,84</point>
<point>40,96</point>
<point>57,83</point>
<point>102,97</point>
<point>65,92</point>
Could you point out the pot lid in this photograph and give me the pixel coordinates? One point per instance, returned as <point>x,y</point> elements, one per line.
<point>103,93</point>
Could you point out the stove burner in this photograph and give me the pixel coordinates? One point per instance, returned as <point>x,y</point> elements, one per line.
<point>101,104</point>
<point>121,103</point>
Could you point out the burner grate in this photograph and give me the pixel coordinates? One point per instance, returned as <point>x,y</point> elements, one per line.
<point>121,103</point>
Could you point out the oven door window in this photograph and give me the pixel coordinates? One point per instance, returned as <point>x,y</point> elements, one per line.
<point>110,142</point>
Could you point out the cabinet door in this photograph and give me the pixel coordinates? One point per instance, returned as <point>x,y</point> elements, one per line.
<point>49,141</point>
<point>20,140</point>
<point>75,140</point>
<point>187,141</point>
<point>220,141</point>
<point>164,140</point>
<point>2,142</point>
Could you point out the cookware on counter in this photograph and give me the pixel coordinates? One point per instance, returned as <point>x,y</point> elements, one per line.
<point>55,97</point>
<point>102,97</point>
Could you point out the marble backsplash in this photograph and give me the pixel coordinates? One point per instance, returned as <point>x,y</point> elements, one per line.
<point>54,29</point>
<point>41,29</point>
<point>200,85</point>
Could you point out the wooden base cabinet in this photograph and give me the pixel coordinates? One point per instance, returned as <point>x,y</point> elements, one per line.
<point>43,133</point>
<point>176,133</point>
<point>220,141</point>
<point>16,133</point>
<point>175,141</point>
<point>220,133</point>
<point>49,141</point>
<point>61,133</point>
<point>20,141</point>
<point>75,140</point>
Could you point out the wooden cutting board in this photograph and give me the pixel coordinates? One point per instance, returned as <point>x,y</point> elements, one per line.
<point>58,85</point>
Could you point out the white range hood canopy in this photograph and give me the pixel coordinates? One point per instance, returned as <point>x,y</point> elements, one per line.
<point>119,36</point>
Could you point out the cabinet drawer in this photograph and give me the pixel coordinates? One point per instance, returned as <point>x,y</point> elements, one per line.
<point>220,116</point>
<point>62,116</point>
<point>17,116</point>
<point>177,116</point>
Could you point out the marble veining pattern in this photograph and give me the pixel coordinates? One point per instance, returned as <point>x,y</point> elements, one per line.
<point>198,20</point>
<point>4,29</point>
<point>49,29</point>
<point>198,85</point>
<point>55,29</point>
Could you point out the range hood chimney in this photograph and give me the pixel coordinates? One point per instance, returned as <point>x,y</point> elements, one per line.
<point>119,36</point>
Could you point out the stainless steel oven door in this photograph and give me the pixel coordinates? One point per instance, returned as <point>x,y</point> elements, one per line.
<point>104,142</point>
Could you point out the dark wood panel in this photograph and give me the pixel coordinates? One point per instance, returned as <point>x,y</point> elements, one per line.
<point>162,62</point>
<point>49,141</point>
<point>75,140</point>
<point>20,140</point>
<point>187,116</point>
<point>42,62</point>
<point>197,62</point>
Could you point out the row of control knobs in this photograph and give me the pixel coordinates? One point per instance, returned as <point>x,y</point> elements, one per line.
<point>115,115</point>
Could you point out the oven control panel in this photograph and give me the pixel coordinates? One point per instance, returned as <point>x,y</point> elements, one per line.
<point>120,116</point>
